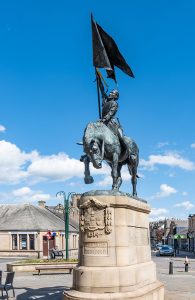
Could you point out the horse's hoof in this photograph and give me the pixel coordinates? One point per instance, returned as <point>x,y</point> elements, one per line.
<point>116,189</point>
<point>89,180</point>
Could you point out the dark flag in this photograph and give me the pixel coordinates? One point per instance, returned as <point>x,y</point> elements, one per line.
<point>106,53</point>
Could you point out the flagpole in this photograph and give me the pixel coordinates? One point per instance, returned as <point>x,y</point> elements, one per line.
<point>98,93</point>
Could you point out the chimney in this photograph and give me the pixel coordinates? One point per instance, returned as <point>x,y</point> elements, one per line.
<point>41,203</point>
<point>75,199</point>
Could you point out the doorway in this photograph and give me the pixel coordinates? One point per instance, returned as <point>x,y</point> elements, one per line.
<point>48,244</point>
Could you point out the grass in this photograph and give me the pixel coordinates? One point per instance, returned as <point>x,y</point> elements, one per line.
<point>49,261</point>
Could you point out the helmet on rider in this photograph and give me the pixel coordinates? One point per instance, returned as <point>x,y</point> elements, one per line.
<point>114,94</point>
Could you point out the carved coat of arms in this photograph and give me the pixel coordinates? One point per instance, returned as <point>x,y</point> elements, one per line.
<point>95,218</point>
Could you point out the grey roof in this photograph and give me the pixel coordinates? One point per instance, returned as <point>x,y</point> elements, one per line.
<point>27,217</point>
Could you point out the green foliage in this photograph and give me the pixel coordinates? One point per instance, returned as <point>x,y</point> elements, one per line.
<point>49,261</point>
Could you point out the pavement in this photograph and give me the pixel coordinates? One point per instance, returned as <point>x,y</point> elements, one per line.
<point>29,285</point>
<point>178,286</point>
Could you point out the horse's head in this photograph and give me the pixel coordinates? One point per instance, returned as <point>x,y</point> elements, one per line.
<point>96,153</point>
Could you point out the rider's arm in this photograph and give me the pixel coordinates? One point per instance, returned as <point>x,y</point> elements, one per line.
<point>112,112</point>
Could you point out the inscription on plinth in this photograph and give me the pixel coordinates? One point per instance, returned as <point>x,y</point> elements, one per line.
<point>95,249</point>
<point>138,236</point>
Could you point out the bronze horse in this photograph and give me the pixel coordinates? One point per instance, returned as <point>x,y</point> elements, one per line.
<point>100,143</point>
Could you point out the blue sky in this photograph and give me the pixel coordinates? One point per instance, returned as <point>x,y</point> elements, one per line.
<point>48,95</point>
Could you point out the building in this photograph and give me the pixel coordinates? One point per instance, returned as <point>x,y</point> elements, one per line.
<point>168,231</point>
<point>191,232</point>
<point>24,231</point>
<point>59,211</point>
<point>156,232</point>
<point>173,232</point>
<point>176,233</point>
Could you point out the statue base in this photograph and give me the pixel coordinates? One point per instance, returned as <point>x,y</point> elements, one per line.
<point>114,251</point>
<point>150,292</point>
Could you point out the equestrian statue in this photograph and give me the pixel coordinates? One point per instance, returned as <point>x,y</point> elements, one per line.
<point>104,139</point>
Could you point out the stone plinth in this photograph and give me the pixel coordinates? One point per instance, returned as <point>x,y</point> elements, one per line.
<point>114,251</point>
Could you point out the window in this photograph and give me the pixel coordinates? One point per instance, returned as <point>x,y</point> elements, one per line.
<point>74,241</point>
<point>23,241</point>
<point>14,242</point>
<point>31,242</point>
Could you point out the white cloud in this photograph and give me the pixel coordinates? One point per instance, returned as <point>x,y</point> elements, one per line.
<point>107,181</point>
<point>40,196</point>
<point>192,145</point>
<point>184,194</point>
<point>2,128</point>
<point>171,175</point>
<point>169,159</point>
<point>158,214</point>
<point>165,191</point>
<point>61,167</point>
<point>55,167</point>
<point>22,192</point>
<point>126,176</point>
<point>13,162</point>
<point>187,205</point>
<point>158,218</point>
<point>105,170</point>
<point>158,211</point>
<point>76,183</point>
<point>17,166</point>
<point>162,144</point>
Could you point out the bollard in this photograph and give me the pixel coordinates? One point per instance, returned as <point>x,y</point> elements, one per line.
<point>186,264</point>
<point>170,267</point>
<point>186,267</point>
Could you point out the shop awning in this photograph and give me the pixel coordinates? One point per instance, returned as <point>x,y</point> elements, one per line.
<point>180,236</point>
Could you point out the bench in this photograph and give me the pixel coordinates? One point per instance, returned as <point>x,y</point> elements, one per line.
<point>42,268</point>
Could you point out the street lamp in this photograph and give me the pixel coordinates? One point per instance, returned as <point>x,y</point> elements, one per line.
<point>67,209</point>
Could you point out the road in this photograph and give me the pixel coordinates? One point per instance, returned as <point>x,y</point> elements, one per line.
<point>179,286</point>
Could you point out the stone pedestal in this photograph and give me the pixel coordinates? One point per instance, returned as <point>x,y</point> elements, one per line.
<point>114,251</point>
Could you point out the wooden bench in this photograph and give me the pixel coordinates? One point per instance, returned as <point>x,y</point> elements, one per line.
<point>42,268</point>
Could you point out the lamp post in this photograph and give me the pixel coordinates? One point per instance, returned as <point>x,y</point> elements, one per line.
<point>62,194</point>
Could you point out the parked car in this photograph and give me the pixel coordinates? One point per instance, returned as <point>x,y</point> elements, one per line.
<point>166,250</point>
<point>158,246</point>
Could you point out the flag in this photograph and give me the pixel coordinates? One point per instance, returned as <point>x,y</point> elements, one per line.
<point>106,53</point>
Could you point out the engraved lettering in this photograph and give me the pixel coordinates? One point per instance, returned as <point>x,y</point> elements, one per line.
<point>95,249</point>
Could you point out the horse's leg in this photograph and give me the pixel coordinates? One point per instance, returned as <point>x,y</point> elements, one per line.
<point>114,172</point>
<point>133,173</point>
<point>88,178</point>
<point>119,179</point>
<point>134,183</point>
